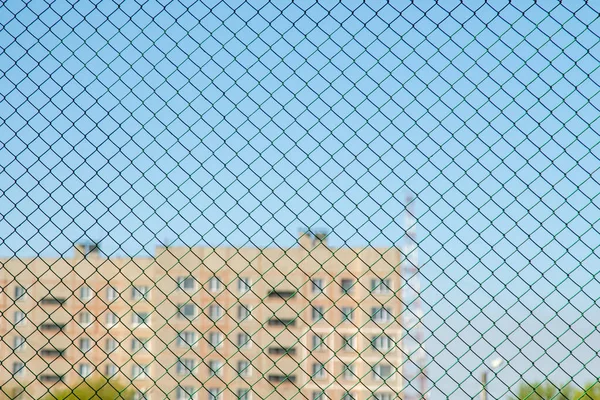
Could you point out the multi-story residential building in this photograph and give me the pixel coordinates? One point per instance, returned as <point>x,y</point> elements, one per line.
<point>307,322</point>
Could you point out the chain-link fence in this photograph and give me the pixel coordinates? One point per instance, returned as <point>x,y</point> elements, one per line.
<point>307,200</point>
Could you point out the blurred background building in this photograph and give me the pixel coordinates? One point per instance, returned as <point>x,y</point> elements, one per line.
<point>309,321</point>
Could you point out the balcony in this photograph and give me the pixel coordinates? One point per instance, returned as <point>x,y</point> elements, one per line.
<point>282,351</point>
<point>282,378</point>
<point>281,294</point>
<point>51,378</point>
<point>51,300</point>
<point>52,327</point>
<point>52,352</point>
<point>282,322</point>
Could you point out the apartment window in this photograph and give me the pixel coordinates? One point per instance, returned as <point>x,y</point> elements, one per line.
<point>318,395</point>
<point>347,314</point>
<point>347,285</point>
<point>381,286</point>
<point>349,343</point>
<point>85,370</point>
<point>318,371</point>
<point>136,344</point>
<point>382,342</point>
<point>215,312</point>
<point>317,342</point>
<point>243,312</point>
<point>381,314</point>
<point>214,394</point>
<point>85,293</point>
<point>214,284</point>
<point>244,369</point>
<point>348,372</point>
<point>110,370</point>
<point>243,285</point>
<point>187,283</point>
<point>19,293</point>
<point>19,343</point>
<point>215,368</point>
<point>85,344</point>
<point>318,286</point>
<point>111,293</point>
<point>140,318</point>
<point>186,339</point>
<point>348,396</point>
<point>85,318</point>
<point>383,396</point>
<point>139,395</point>
<point>140,371</point>
<point>187,311</point>
<point>19,318</point>
<point>18,368</point>
<point>317,313</point>
<point>186,393</point>
<point>382,372</point>
<point>244,394</point>
<point>110,345</point>
<point>111,319</point>
<point>140,292</point>
<point>186,366</point>
<point>243,341</point>
<point>215,339</point>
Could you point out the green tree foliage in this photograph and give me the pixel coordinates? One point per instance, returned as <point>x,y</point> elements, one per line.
<point>96,388</point>
<point>589,392</point>
<point>543,391</point>
<point>548,391</point>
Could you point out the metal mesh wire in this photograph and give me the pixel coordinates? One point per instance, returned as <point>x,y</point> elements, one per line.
<point>307,200</point>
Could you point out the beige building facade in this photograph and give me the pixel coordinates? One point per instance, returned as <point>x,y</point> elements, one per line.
<point>307,322</point>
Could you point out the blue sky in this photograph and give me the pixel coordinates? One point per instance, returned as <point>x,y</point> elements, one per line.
<point>235,123</point>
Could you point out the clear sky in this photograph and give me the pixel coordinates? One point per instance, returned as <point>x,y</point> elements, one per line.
<point>233,123</point>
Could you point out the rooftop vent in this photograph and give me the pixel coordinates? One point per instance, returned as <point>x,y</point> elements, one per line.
<point>87,248</point>
<point>309,239</point>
